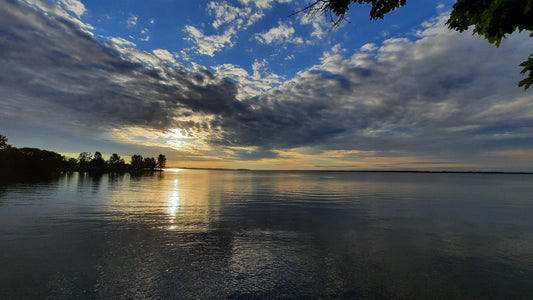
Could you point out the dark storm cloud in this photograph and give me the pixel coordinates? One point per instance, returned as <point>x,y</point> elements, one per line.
<point>49,63</point>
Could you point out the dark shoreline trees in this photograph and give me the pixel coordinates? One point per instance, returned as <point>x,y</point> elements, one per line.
<point>161,161</point>
<point>33,162</point>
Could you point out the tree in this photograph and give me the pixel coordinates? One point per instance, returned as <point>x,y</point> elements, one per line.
<point>116,163</point>
<point>336,9</point>
<point>161,161</point>
<point>149,163</point>
<point>28,162</point>
<point>492,19</point>
<point>69,164</point>
<point>115,159</point>
<point>84,159</point>
<point>3,142</point>
<point>137,162</point>
<point>98,163</point>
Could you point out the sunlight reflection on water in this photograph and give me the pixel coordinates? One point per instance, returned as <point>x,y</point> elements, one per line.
<point>173,204</point>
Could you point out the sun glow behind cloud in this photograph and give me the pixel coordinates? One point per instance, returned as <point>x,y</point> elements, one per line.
<point>176,136</point>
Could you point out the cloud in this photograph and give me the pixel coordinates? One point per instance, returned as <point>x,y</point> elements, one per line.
<point>74,6</point>
<point>368,47</point>
<point>145,32</point>
<point>445,93</point>
<point>228,19</point>
<point>262,4</point>
<point>132,21</point>
<point>122,42</point>
<point>227,14</point>
<point>166,56</point>
<point>437,96</point>
<point>209,44</point>
<point>283,33</point>
<point>84,84</point>
<point>250,85</point>
<point>319,25</point>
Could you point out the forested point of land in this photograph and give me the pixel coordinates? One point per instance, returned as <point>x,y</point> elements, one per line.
<point>34,162</point>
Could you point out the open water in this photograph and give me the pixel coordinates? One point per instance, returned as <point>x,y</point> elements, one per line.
<point>207,234</point>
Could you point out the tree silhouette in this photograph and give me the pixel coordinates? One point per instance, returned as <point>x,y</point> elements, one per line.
<point>28,162</point>
<point>98,163</point>
<point>149,163</point>
<point>69,164</point>
<point>492,19</point>
<point>116,164</point>
<point>137,162</point>
<point>31,162</point>
<point>3,142</point>
<point>161,161</point>
<point>83,160</point>
<point>115,159</point>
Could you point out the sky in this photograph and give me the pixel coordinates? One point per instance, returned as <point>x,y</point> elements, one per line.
<point>247,84</point>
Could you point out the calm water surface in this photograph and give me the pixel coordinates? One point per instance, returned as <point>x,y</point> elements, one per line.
<point>239,234</point>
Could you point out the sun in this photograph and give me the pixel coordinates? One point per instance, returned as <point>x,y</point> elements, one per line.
<point>176,136</point>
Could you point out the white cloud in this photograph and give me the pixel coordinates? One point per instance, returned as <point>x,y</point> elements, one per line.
<point>250,85</point>
<point>227,14</point>
<point>122,42</point>
<point>368,47</point>
<point>74,6</point>
<point>209,44</point>
<point>165,55</point>
<point>132,21</point>
<point>319,25</point>
<point>262,4</point>
<point>318,31</point>
<point>140,56</point>
<point>146,38</point>
<point>256,16</point>
<point>284,33</point>
<point>337,48</point>
<point>152,21</point>
<point>230,18</point>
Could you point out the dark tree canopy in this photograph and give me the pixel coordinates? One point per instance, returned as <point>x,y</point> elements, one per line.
<point>161,161</point>
<point>3,142</point>
<point>137,162</point>
<point>149,163</point>
<point>493,19</point>
<point>19,163</point>
<point>336,9</point>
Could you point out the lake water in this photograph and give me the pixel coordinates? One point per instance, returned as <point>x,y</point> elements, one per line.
<point>245,234</point>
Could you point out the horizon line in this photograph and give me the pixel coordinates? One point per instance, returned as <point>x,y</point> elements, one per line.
<point>359,171</point>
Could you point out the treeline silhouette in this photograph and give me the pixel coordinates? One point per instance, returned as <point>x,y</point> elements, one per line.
<point>33,162</point>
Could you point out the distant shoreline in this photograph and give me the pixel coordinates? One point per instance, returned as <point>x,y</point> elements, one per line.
<point>365,171</point>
